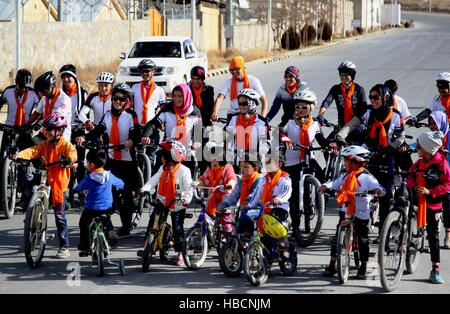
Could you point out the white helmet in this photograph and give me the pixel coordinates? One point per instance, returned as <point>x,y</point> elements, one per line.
<point>252,98</point>
<point>105,77</point>
<point>443,76</point>
<point>356,152</point>
<point>347,65</point>
<point>306,95</point>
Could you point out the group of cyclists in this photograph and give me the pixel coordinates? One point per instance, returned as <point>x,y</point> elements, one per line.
<point>257,165</point>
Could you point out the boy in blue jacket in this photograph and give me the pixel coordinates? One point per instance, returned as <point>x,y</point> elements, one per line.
<point>98,184</point>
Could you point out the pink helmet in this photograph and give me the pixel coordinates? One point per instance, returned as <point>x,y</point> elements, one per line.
<point>54,121</point>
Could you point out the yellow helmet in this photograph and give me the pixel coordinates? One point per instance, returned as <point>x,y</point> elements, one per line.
<point>273,227</point>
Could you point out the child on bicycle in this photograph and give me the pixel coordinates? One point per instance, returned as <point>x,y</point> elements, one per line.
<point>430,185</point>
<point>99,184</point>
<point>173,180</point>
<point>243,191</point>
<point>356,179</point>
<point>218,173</point>
<point>54,149</point>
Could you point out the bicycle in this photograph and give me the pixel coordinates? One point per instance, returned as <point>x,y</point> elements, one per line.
<point>99,248</point>
<point>311,202</point>
<point>158,236</point>
<point>204,232</point>
<point>35,230</point>
<point>257,257</point>
<point>401,241</point>
<point>347,244</point>
<point>334,163</point>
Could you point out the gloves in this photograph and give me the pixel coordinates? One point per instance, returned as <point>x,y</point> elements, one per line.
<point>286,141</point>
<point>319,119</point>
<point>411,122</point>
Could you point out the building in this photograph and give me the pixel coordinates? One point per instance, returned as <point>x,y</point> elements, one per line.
<point>368,14</point>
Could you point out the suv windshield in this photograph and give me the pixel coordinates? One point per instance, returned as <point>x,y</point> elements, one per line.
<point>156,49</point>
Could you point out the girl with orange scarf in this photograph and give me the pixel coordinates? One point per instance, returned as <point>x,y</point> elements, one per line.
<point>218,173</point>
<point>356,179</point>
<point>429,189</point>
<point>173,181</point>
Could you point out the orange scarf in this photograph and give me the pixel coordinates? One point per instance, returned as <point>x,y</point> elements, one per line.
<point>197,95</point>
<point>247,183</point>
<point>146,98</point>
<point>98,170</point>
<point>181,129</point>
<point>445,101</point>
<point>104,98</point>
<point>348,108</point>
<point>114,137</point>
<point>291,89</point>
<point>234,83</point>
<point>215,176</point>
<point>166,185</point>
<point>382,135</point>
<point>50,105</point>
<point>347,193</point>
<point>244,130</point>
<point>72,90</point>
<point>20,114</point>
<point>304,136</point>
<point>422,200</point>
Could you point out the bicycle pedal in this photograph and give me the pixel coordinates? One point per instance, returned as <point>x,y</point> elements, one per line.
<point>50,236</point>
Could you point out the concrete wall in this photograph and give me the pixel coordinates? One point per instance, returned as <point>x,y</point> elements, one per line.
<point>391,14</point>
<point>36,11</point>
<point>343,16</point>
<point>369,13</point>
<point>49,45</point>
<point>251,36</point>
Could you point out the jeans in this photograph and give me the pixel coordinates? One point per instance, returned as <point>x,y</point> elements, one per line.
<point>61,224</point>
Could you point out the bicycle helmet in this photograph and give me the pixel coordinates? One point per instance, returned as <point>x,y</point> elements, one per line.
<point>217,152</point>
<point>23,78</point>
<point>252,98</point>
<point>356,152</point>
<point>294,71</point>
<point>347,67</point>
<point>306,95</point>
<point>444,77</point>
<point>273,227</point>
<point>105,77</point>
<point>55,121</point>
<point>146,64</point>
<point>122,88</point>
<point>45,82</point>
<point>175,148</point>
<point>199,72</point>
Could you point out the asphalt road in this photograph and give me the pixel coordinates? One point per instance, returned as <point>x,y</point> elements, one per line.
<point>412,57</point>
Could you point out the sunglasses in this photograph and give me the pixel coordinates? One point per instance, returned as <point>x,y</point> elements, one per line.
<point>442,86</point>
<point>235,70</point>
<point>244,103</point>
<point>301,107</point>
<point>120,98</point>
<point>145,71</point>
<point>374,97</point>
<point>343,74</point>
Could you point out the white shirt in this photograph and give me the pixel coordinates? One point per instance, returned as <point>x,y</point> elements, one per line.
<point>98,107</point>
<point>282,191</point>
<point>74,100</point>
<point>258,134</point>
<point>126,124</point>
<point>436,104</point>
<point>366,182</point>
<point>158,96</point>
<point>63,106</point>
<point>9,94</point>
<point>183,185</point>
<point>254,83</point>
<point>402,107</point>
<point>292,130</point>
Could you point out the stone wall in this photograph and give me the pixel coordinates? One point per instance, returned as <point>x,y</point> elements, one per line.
<point>251,36</point>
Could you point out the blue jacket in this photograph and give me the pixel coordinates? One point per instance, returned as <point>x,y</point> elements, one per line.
<point>99,186</point>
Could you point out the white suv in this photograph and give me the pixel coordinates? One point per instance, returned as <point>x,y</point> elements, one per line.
<point>174,57</point>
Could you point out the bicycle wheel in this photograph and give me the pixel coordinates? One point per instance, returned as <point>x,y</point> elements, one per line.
<point>416,241</point>
<point>255,266</point>
<point>230,259</point>
<point>312,218</point>
<point>337,167</point>
<point>167,239</point>
<point>138,201</point>
<point>122,267</point>
<point>288,265</point>
<point>148,252</point>
<point>195,248</point>
<point>35,230</point>
<point>345,239</point>
<point>390,251</point>
<point>8,187</point>
<point>145,165</point>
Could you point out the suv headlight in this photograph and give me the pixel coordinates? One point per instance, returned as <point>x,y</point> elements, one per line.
<point>169,70</point>
<point>123,70</point>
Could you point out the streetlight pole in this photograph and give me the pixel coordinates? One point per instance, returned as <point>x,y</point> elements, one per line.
<point>193,20</point>
<point>269,25</point>
<point>18,32</point>
<point>429,8</point>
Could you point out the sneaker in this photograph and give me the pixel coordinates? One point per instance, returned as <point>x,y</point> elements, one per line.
<point>123,232</point>
<point>447,241</point>
<point>63,253</point>
<point>330,271</point>
<point>179,261</point>
<point>435,277</point>
<point>361,274</point>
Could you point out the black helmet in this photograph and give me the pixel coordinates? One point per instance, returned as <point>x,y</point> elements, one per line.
<point>122,88</point>
<point>45,81</point>
<point>199,72</point>
<point>68,68</point>
<point>146,64</point>
<point>347,67</point>
<point>23,78</point>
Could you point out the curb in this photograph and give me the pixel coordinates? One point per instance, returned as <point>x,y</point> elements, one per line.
<point>306,51</point>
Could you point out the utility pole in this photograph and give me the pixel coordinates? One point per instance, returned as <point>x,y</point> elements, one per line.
<point>230,33</point>
<point>343,18</point>
<point>193,20</point>
<point>18,32</point>
<point>269,25</point>
<point>429,3</point>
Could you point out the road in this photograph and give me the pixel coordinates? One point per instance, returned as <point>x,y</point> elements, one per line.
<point>412,57</point>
